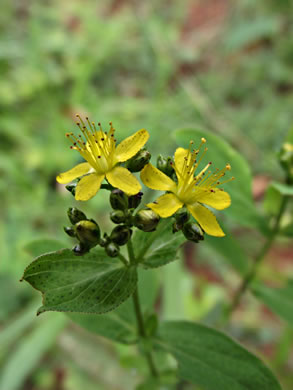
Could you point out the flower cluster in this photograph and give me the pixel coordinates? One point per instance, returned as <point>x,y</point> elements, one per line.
<point>185,189</point>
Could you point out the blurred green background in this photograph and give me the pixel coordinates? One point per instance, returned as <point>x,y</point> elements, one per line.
<point>163,65</point>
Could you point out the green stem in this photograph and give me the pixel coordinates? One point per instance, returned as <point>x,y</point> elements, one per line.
<point>258,260</point>
<point>123,259</point>
<point>139,317</point>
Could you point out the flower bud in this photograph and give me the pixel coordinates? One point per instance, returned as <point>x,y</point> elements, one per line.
<point>75,215</point>
<point>120,235</point>
<point>165,165</point>
<point>134,200</point>
<point>118,200</point>
<point>80,249</point>
<point>70,231</point>
<point>71,188</point>
<point>146,220</point>
<point>117,216</point>
<point>112,249</point>
<point>137,162</point>
<point>182,216</point>
<point>88,232</point>
<point>193,232</point>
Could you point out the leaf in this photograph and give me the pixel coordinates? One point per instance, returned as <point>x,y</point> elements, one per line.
<point>283,189</point>
<point>220,153</point>
<point>248,33</point>
<point>93,283</point>
<point>279,300</point>
<point>37,247</point>
<point>212,360</point>
<point>16,327</point>
<point>159,247</point>
<point>21,362</point>
<point>272,201</point>
<point>231,251</point>
<point>120,325</point>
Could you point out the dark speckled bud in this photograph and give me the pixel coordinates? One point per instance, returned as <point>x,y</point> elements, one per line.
<point>120,235</point>
<point>137,162</point>
<point>112,249</point>
<point>134,200</point>
<point>146,220</point>
<point>193,232</point>
<point>118,200</point>
<point>117,216</point>
<point>70,231</point>
<point>88,232</point>
<point>75,215</point>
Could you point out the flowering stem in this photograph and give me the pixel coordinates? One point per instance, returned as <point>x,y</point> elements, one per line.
<point>139,316</point>
<point>258,260</point>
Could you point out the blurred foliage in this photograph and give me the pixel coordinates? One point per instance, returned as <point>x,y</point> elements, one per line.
<point>220,66</point>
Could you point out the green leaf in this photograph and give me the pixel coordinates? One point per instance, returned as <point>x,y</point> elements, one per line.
<point>231,251</point>
<point>212,360</point>
<point>21,362</point>
<point>272,201</point>
<point>159,247</point>
<point>220,153</point>
<point>37,247</point>
<point>279,300</point>
<point>120,325</point>
<point>283,189</point>
<point>93,283</point>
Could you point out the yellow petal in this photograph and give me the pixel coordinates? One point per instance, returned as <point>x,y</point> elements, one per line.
<point>156,180</point>
<point>179,158</point>
<point>77,171</point>
<point>131,145</point>
<point>166,205</point>
<point>121,178</point>
<point>88,186</point>
<point>206,219</point>
<point>215,198</point>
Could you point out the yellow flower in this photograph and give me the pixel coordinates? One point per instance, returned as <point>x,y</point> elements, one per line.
<point>191,190</point>
<point>99,150</point>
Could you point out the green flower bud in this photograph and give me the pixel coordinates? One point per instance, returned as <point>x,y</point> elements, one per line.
<point>134,200</point>
<point>118,200</point>
<point>165,165</point>
<point>117,216</point>
<point>71,188</point>
<point>75,215</point>
<point>88,232</point>
<point>120,235</point>
<point>112,249</point>
<point>80,249</point>
<point>193,232</point>
<point>182,216</point>
<point>70,231</point>
<point>137,162</point>
<point>146,220</point>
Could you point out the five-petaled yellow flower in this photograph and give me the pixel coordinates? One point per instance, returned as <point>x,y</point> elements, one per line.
<point>191,190</point>
<point>102,156</point>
